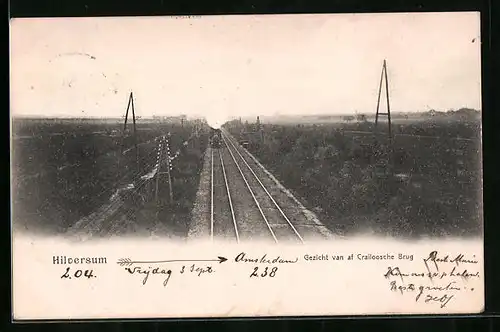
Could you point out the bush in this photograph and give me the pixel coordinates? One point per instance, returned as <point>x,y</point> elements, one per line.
<point>348,176</point>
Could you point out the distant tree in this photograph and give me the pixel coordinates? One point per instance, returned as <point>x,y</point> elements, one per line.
<point>361,117</point>
<point>348,118</point>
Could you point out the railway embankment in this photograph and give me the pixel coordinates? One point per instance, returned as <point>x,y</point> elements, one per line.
<point>200,214</point>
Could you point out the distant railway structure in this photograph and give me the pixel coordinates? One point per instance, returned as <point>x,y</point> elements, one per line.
<point>251,133</point>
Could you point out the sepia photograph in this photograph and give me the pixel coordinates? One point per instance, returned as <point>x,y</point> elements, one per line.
<point>248,135</point>
<point>248,130</point>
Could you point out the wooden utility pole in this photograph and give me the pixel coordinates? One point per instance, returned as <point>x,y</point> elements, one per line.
<point>169,168</point>
<point>388,113</point>
<point>159,161</point>
<point>389,150</point>
<point>130,105</point>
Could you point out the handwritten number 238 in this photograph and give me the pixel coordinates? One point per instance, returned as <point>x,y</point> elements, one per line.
<point>264,273</point>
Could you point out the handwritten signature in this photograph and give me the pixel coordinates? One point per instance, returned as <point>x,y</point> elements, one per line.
<point>443,299</point>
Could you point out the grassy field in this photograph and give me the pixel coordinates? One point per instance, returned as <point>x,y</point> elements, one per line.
<point>64,170</point>
<point>427,182</point>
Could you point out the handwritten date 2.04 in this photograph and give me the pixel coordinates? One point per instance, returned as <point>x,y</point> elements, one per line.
<point>78,274</point>
<point>267,272</point>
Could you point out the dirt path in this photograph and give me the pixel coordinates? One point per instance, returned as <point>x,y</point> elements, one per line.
<point>200,215</point>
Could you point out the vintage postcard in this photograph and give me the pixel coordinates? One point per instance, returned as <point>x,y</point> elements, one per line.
<point>246,166</point>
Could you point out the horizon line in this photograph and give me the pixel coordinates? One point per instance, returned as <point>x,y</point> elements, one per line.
<point>38,116</point>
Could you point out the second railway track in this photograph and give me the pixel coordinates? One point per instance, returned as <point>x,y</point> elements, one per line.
<point>241,205</point>
<point>222,216</point>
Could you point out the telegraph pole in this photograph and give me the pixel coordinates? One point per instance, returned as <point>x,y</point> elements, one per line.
<point>130,105</point>
<point>164,154</point>
<point>159,161</point>
<point>388,113</point>
<point>169,168</point>
<point>383,76</point>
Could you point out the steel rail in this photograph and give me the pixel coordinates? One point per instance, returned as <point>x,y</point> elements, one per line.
<point>267,192</point>
<point>229,198</point>
<point>251,192</point>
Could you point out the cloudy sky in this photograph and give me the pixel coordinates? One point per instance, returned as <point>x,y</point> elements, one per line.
<point>243,65</point>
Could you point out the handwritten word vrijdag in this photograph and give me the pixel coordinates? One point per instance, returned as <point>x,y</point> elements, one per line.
<point>443,278</point>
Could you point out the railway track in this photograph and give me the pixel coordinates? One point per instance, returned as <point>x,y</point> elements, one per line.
<point>222,217</point>
<point>241,206</point>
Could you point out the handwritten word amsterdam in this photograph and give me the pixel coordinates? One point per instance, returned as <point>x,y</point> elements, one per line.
<point>243,258</point>
<point>264,272</point>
